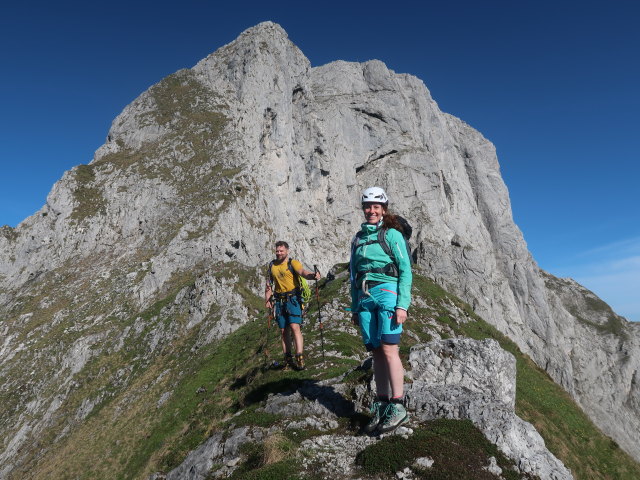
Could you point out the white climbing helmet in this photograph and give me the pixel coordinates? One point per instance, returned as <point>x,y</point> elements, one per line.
<point>375,195</point>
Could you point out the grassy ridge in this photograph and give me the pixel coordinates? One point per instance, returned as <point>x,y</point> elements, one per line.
<point>133,434</point>
<point>186,394</point>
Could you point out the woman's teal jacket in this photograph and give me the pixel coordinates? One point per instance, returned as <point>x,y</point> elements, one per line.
<point>372,256</point>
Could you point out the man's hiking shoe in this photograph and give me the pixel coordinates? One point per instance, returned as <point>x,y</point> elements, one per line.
<point>394,415</point>
<point>299,365</point>
<point>287,364</point>
<point>377,409</point>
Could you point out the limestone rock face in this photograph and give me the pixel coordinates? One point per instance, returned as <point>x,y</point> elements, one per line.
<point>480,367</point>
<point>252,145</point>
<point>216,450</point>
<point>602,349</point>
<point>467,379</point>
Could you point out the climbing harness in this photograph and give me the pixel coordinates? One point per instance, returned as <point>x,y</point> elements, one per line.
<point>301,290</point>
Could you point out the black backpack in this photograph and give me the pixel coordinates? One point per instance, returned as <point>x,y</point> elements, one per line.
<point>406,231</point>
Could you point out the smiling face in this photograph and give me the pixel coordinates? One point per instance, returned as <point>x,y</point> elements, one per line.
<point>281,253</point>
<point>373,212</point>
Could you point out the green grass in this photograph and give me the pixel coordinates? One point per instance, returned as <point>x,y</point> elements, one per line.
<point>254,470</point>
<point>222,385</point>
<point>207,386</point>
<point>181,96</point>
<point>250,416</point>
<point>330,289</point>
<point>613,326</point>
<point>89,200</point>
<point>438,440</point>
<point>429,289</point>
<point>84,174</point>
<point>342,342</point>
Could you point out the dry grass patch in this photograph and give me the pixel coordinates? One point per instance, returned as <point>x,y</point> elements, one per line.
<point>276,449</point>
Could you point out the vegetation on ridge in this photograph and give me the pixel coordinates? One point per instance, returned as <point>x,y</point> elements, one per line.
<point>588,309</point>
<point>567,430</point>
<point>89,198</point>
<point>155,411</point>
<point>186,153</point>
<point>436,441</point>
<point>122,391</point>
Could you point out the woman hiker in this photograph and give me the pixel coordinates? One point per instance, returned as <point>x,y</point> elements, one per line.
<point>380,297</point>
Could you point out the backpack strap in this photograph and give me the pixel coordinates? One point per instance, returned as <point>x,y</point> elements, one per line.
<point>393,265</point>
<point>354,243</point>
<point>270,274</point>
<point>298,288</point>
<point>296,277</point>
<point>382,240</point>
<point>391,268</point>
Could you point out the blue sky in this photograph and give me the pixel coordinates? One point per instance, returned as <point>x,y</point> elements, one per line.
<point>554,85</point>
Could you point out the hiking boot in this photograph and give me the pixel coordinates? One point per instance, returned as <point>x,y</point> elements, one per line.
<point>377,409</point>
<point>288,362</point>
<point>394,415</point>
<point>299,365</point>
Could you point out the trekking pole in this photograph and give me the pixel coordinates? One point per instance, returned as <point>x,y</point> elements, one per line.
<point>315,270</point>
<point>270,316</point>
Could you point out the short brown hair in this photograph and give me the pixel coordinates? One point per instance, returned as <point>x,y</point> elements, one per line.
<point>281,243</point>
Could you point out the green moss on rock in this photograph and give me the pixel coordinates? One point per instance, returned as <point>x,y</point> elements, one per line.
<point>88,197</point>
<point>9,233</point>
<point>437,440</point>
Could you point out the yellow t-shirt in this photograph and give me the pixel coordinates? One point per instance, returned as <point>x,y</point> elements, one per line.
<point>282,277</point>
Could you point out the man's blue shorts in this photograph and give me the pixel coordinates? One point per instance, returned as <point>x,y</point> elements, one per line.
<point>376,313</point>
<point>288,311</point>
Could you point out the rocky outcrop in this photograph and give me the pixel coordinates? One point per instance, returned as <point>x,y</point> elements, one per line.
<point>456,379</point>
<point>253,144</point>
<point>602,350</point>
<point>466,379</point>
<point>220,450</point>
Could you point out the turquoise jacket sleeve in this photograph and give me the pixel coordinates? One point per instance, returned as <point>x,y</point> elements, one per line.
<point>374,256</point>
<point>352,290</point>
<point>398,246</point>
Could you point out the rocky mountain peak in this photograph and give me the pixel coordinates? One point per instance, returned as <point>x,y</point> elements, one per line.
<point>209,167</point>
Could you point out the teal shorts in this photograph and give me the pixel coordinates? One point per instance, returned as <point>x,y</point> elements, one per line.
<point>288,311</point>
<point>376,313</point>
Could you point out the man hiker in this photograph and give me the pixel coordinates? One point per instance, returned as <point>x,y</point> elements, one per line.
<point>283,292</point>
